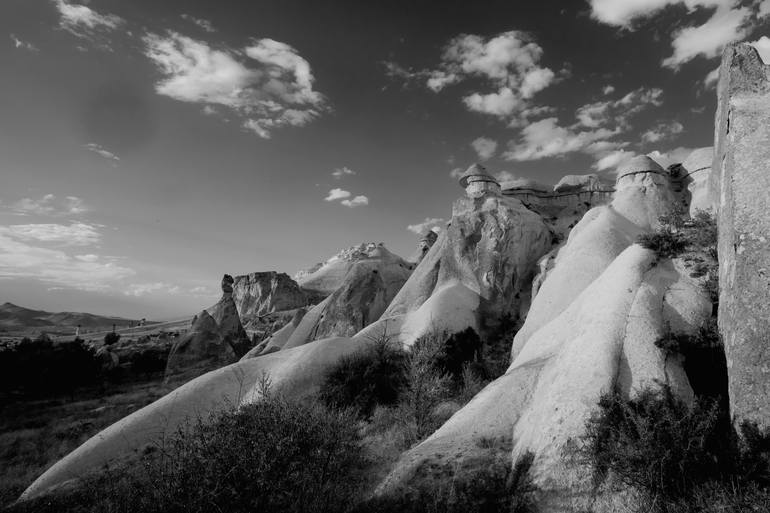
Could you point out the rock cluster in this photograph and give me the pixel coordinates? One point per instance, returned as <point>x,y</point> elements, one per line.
<point>262,293</point>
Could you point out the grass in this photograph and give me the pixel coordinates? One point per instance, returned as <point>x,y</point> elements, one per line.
<point>36,434</point>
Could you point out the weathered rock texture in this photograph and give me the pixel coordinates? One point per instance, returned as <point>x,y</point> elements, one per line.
<point>363,295</point>
<point>740,185</point>
<point>573,183</point>
<point>259,294</point>
<point>697,169</point>
<point>591,328</point>
<point>326,277</point>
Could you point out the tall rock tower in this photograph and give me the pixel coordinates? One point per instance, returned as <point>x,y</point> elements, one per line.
<point>740,190</point>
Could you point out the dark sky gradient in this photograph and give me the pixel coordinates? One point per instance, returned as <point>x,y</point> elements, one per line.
<point>194,196</point>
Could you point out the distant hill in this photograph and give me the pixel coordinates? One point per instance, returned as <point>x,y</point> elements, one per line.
<point>18,317</point>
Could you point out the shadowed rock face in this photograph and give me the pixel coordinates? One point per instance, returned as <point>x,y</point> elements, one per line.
<point>739,189</point>
<point>258,294</point>
<point>201,349</point>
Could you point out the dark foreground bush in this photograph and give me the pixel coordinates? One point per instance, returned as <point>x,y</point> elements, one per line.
<point>491,486</point>
<point>672,452</point>
<point>271,456</point>
<point>363,380</point>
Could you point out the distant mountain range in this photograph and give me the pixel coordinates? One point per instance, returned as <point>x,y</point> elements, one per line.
<point>18,317</point>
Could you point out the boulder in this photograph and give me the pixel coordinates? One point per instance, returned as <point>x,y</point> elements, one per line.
<point>697,167</point>
<point>261,293</point>
<point>201,349</point>
<point>739,188</point>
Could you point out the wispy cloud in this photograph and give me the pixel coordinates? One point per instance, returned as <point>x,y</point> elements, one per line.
<point>484,147</point>
<point>101,151</point>
<point>200,22</point>
<point>342,171</point>
<point>82,21</point>
<point>267,83</point>
<point>143,289</point>
<point>50,205</point>
<point>663,131</point>
<point>23,45</point>
<point>74,234</point>
<point>430,223</point>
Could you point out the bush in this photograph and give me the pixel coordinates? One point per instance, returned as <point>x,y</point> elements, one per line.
<point>273,455</point>
<point>373,376</point>
<point>496,352</point>
<point>111,338</point>
<point>459,349</point>
<point>491,485</point>
<point>669,451</point>
<point>665,242</point>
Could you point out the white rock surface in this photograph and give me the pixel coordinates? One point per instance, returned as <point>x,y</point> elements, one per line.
<point>698,166</point>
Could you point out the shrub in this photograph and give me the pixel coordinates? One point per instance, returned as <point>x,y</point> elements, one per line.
<point>373,376</point>
<point>111,338</point>
<point>668,450</point>
<point>273,455</point>
<point>460,348</point>
<point>665,242</point>
<point>496,351</point>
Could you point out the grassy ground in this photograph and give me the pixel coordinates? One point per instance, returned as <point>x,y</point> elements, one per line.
<point>35,434</point>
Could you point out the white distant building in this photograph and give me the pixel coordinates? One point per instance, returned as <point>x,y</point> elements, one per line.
<point>477,182</point>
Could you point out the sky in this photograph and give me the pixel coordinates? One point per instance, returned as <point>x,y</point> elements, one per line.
<point>147,148</point>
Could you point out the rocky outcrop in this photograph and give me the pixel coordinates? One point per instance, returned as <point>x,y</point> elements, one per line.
<point>326,277</point>
<point>262,293</point>
<point>216,337</point>
<point>739,188</point>
<point>697,169</point>
<point>363,295</point>
<point>591,328</point>
<point>574,183</point>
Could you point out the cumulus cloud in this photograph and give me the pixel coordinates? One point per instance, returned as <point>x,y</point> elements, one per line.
<point>708,39</point>
<point>763,47</point>
<point>545,138</point>
<point>485,147</point>
<point>23,45</point>
<point>101,151</point>
<point>336,194</point>
<point>74,234</point>
<point>50,205</point>
<point>355,202</point>
<point>268,84</point>
<point>456,173</point>
<point>608,89</point>
<point>20,258</point>
<point>712,78</point>
<point>613,159</point>
<point>342,171</point>
<point>764,9</point>
<point>674,156</point>
<point>508,63</point>
<point>429,224</point>
<point>82,21</point>
<point>662,131</point>
<point>200,22</point>
<point>619,111</point>
<point>622,13</point>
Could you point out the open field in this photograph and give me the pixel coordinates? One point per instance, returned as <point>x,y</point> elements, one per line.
<point>35,434</point>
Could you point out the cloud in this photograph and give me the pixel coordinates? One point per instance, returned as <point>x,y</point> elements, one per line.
<point>24,45</point>
<point>101,151</point>
<point>608,89</point>
<point>355,202</point>
<point>763,47</point>
<point>614,159</point>
<point>336,194</point>
<point>142,289</point>
<point>267,83</point>
<point>545,138</point>
<point>485,148</point>
<point>342,171</point>
<point>50,205</point>
<point>456,173</point>
<point>662,131</point>
<point>508,64</point>
<point>674,156</point>
<point>200,22</point>
<point>622,13</point>
<point>764,9</point>
<point>429,224</point>
<point>82,21</point>
<point>708,39</point>
<point>619,111</point>
<point>74,234</point>
<point>21,259</point>
<point>711,79</point>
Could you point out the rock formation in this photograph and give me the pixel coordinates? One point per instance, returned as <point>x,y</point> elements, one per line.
<point>258,294</point>
<point>739,189</point>
<point>216,337</point>
<point>326,277</point>
<point>591,329</point>
<point>574,183</point>
<point>697,169</point>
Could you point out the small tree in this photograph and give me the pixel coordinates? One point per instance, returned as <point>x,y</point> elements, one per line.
<point>111,338</point>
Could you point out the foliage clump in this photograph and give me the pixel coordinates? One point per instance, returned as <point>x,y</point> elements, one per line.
<point>111,338</point>
<point>671,451</point>
<point>678,233</point>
